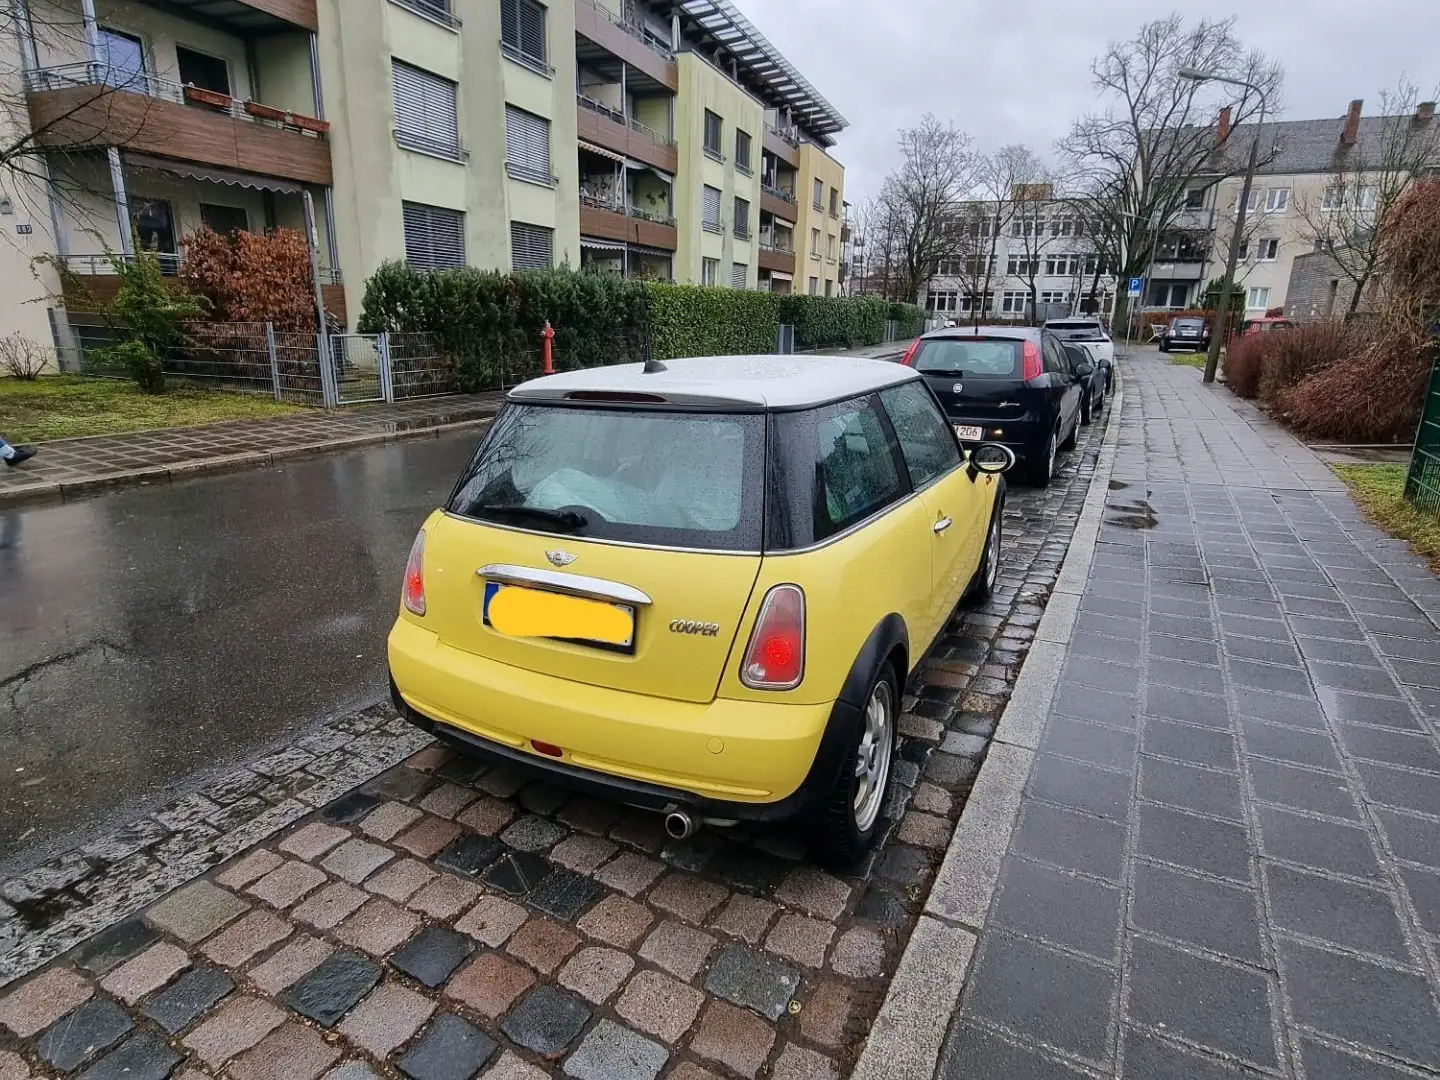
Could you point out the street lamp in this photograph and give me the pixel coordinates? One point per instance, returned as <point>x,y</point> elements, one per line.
<point>1227,285</point>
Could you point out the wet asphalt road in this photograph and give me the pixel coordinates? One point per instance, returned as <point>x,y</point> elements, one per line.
<point>155,636</point>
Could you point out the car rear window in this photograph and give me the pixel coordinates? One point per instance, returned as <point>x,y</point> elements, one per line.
<point>1077,330</point>
<point>672,479</point>
<point>978,358</point>
<point>1188,324</point>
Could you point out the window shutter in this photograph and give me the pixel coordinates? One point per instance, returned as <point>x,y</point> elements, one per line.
<point>738,273</point>
<point>711,214</point>
<point>425,114</point>
<point>434,237</point>
<point>532,247</point>
<point>522,27</point>
<point>527,144</point>
<point>742,217</point>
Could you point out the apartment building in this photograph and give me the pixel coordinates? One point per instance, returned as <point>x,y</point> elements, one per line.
<point>1308,169</point>
<point>666,139</point>
<point>1027,258</point>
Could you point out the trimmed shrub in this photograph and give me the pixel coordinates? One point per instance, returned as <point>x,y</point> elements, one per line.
<point>1242,365</point>
<point>1374,398</point>
<point>1288,356</point>
<point>822,321</point>
<point>693,320</point>
<point>248,277</point>
<point>911,318</point>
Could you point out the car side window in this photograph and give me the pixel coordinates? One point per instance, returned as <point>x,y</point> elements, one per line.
<point>1055,361</point>
<point>926,440</point>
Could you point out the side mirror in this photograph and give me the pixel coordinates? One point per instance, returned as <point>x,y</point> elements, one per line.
<point>992,458</point>
<point>1084,370</point>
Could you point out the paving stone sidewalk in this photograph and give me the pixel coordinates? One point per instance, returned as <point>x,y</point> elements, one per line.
<point>72,468</point>
<point>449,920</point>
<point>1227,858</point>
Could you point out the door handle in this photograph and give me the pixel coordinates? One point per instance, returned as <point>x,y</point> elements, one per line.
<point>943,524</point>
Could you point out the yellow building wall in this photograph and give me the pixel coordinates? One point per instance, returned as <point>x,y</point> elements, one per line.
<point>815,163</point>
<point>282,73</point>
<point>702,87</point>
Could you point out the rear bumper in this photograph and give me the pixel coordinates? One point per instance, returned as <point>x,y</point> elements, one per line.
<point>738,760</point>
<point>1025,437</point>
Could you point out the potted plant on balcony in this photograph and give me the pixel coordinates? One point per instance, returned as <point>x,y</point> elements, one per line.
<point>213,98</point>
<point>309,123</point>
<point>264,112</point>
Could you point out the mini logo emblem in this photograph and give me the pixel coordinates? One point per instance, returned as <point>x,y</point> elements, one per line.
<point>560,558</point>
<point>959,388</point>
<point>703,629</point>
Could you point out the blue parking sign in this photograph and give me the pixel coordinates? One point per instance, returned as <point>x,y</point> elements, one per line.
<point>1136,284</point>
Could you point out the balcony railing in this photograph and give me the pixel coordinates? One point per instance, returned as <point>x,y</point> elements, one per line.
<point>100,264</point>
<point>779,193</point>
<point>645,36</point>
<point>92,73</point>
<point>615,206</point>
<point>779,246</point>
<point>790,134</point>
<point>620,118</point>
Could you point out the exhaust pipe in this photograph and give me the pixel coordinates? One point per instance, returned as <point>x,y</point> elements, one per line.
<point>679,825</point>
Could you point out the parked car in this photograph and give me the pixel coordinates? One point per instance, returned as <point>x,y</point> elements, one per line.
<point>1093,389</point>
<point>1265,325</point>
<point>1087,329</point>
<point>699,587</point>
<point>1185,333</point>
<point>1009,384</point>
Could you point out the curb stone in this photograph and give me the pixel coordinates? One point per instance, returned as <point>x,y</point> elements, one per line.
<point>908,1033</point>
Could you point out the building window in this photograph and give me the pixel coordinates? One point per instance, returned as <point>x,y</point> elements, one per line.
<point>1258,299</point>
<point>1019,266</point>
<point>742,151</point>
<point>532,247</point>
<point>1251,204</point>
<point>814,286</point>
<point>943,300</point>
<point>738,273</point>
<point>438,10</point>
<point>1015,303</point>
<point>819,196</point>
<point>1367,198</point>
<point>1064,225</point>
<point>224,219</point>
<point>834,202</point>
<point>713,128</point>
<point>522,31</point>
<point>425,113</point>
<point>1334,197</point>
<point>970,302</point>
<point>1062,265</point>
<point>122,59</point>
<point>527,146</point>
<point>710,210</point>
<point>709,271</point>
<point>830,246</point>
<point>829,287</point>
<point>814,243</point>
<point>154,225</point>
<point>202,70</point>
<point>1267,250</point>
<point>1059,299</point>
<point>1243,251</point>
<point>1276,200</point>
<point>1195,198</point>
<point>434,237</point>
<point>742,218</point>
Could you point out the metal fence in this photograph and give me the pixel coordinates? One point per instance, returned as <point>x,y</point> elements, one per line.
<point>1422,483</point>
<point>302,368</point>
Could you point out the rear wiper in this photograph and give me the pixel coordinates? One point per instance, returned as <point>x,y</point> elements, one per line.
<point>563,519</point>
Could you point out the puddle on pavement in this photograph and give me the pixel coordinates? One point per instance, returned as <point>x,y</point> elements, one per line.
<point>1118,485</point>
<point>1132,515</point>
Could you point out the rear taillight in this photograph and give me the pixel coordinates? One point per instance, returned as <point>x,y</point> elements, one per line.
<point>413,594</point>
<point>909,357</point>
<point>775,659</point>
<point>1032,367</point>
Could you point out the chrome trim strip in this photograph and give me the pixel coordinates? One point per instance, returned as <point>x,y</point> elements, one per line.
<point>572,584</point>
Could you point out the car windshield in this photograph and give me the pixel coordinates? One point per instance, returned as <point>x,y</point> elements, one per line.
<point>984,358</point>
<point>674,479</point>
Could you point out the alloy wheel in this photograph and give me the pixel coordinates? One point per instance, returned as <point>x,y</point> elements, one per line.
<point>992,553</point>
<point>872,760</point>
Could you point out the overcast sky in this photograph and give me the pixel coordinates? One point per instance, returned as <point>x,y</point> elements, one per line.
<point>1019,70</point>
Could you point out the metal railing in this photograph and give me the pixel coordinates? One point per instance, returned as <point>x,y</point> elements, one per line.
<point>434,10</point>
<point>423,143</point>
<point>1422,480</point>
<point>94,73</point>
<point>768,244</point>
<point>779,193</point>
<point>100,264</point>
<point>641,34</point>
<point>628,209</point>
<point>620,118</point>
<point>790,135</point>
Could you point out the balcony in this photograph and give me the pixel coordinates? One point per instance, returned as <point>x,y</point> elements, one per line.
<point>598,123</point>
<point>784,143</point>
<point>777,201</point>
<point>79,106</point>
<point>633,44</point>
<point>1189,270</point>
<point>607,219</point>
<point>774,257</point>
<point>296,12</point>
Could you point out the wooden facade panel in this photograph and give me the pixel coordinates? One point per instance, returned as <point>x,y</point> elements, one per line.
<point>80,116</point>
<point>591,24</point>
<point>613,135</point>
<point>784,261</point>
<point>300,12</point>
<point>609,225</point>
<point>779,207</point>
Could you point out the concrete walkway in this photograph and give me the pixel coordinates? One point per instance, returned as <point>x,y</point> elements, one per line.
<point>1226,857</point>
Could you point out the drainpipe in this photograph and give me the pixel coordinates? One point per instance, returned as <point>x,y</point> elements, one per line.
<point>317,88</point>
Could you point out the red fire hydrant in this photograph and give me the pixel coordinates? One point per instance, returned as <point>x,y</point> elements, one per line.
<point>547,354</point>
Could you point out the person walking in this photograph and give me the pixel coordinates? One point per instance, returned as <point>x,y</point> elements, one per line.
<point>14,455</point>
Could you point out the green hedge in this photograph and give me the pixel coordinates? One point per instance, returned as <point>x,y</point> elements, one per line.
<point>911,319</point>
<point>491,322</point>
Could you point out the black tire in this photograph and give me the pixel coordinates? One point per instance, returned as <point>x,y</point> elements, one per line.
<point>1164,347</point>
<point>1073,437</point>
<point>1087,407</point>
<point>1041,469</point>
<point>841,837</point>
<point>982,585</point>
<point>1097,407</point>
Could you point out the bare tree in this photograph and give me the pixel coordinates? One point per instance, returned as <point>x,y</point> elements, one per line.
<point>1134,160</point>
<point>920,200</point>
<point>1347,221</point>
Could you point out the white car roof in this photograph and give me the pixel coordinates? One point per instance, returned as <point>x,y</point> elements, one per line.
<point>751,382</point>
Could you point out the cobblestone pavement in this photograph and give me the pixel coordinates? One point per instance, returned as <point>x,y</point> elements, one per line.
<point>68,468</point>
<point>1225,862</point>
<point>445,917</point>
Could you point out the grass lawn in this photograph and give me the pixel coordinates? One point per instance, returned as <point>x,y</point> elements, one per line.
<point>1188,359</point>
<point>61,406</point>
<point>1380,492</point>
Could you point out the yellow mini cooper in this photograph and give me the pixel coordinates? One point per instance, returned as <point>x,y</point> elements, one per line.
<point>698,587</point>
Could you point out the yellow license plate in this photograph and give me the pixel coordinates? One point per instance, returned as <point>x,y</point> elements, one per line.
<point>519,612</point>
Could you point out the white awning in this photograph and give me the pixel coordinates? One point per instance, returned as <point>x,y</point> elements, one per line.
<point>641,249</point>
<point>213,174</point>
<point>600,245</point>
<point>776,275</point>
<point>611,154</point>
<point>631,163</point>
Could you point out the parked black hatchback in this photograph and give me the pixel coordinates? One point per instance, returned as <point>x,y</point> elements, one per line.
<point>1185,334</point>
<point>1007,384</point>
